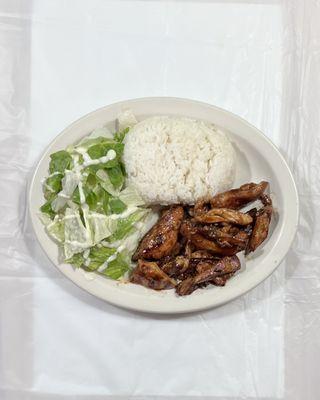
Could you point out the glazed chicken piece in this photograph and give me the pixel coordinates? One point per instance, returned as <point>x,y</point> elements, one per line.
<point>208,272</point>
<point>178,268</point>
<point>234,198</point>
<point>201,254</point>
<point>149,274</point>
<point>161,240</point>
<point>218,280</point>
<point>224,215</point>
<point>226,236</point>
<point>261,226</point>
<point>201,243</point>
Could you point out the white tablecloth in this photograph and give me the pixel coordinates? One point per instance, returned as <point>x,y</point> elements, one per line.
<point>60,59</point>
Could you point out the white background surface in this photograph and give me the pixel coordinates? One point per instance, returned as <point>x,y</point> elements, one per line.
<point>61,59</point>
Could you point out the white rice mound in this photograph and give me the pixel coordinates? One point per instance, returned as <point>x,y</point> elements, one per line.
<point>178,160</point>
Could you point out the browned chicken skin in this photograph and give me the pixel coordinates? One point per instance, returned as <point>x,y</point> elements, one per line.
<point>201,243</point>
<point>224,215</point>
<point>162,238</point>
<point>224,266</point>
<point>234,198</point>
<point>227,236</point>
<point>260,228</point>
<point>148,274</point>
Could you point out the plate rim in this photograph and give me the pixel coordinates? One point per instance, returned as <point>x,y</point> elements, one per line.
<point>145,308</point>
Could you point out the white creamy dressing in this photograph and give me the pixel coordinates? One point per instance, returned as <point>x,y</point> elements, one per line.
<point>63,195</point>
<point>111,155</point>
<point>87,160</point>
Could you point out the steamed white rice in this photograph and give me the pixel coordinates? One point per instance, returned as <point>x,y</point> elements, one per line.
<point>178,160</point>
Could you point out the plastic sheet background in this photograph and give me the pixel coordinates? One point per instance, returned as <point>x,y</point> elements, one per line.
<point>61,59</point>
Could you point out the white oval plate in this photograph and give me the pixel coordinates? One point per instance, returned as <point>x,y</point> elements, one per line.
<point>257,159</point>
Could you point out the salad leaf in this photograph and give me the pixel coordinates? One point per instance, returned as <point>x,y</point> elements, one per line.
<point>91,200</point>
<point>60,161</point>
<point>69,183</point>
<point>98,135</point>
<point>116,206</point>
<point>91,181</point>
<point>119,136</point>
<point>105,182</point>
<point>105,202</point>
<point>82,228</point>
<point>47,209</point>
<point>76,260</point>
<point>98,255</point>
<point>97,151</point>
<point>102,226</point>
<point>101,149</point>
<point>76,196</point>
<point>56,229</point>
<point>116,176</point>
<point>77,236</point>
<point>53,185</point>
<point>125,226</point>
<point>131,197</point>
<point>126,119</point>
<point>117,268</point>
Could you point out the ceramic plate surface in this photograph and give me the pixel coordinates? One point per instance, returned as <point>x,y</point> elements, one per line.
<point>257,159</point>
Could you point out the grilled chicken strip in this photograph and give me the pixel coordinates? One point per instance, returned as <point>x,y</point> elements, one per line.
<point>234,198</point>
<point>162,238</point>
<point>224,215</point>
<point>148,274</point>
<point>260,228</point>
<point>226,236</point>
<point>201,243</point>
<point>208,273</point>
<point>178,268</point>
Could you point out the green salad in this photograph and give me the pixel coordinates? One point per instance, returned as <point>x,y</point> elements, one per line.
<point>95,218</point>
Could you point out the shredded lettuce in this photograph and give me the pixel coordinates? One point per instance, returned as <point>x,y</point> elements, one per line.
<point>77,236</point>
<point>125,226</point>
<point>117,268</point>
<point>126,119</point>
<point>46,208</point>
<point>116,176</point>
<point>98,255</point>
<point>88,210</point>
<point>88,141</point>
<point>53,185</point>
<point>101,149</point>
<point>76,260</point>
<point>60,161</point>
<point>69,183</point>
<point>102,226</point>
<point>56,229</point>
<point>105,182</point>
<point>117,206</point>
<point>119,136</point>
<point>131,197</point>
<point>92,200</point>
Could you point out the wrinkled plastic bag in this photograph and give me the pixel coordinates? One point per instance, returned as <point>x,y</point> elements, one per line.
<point>61,59</point>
